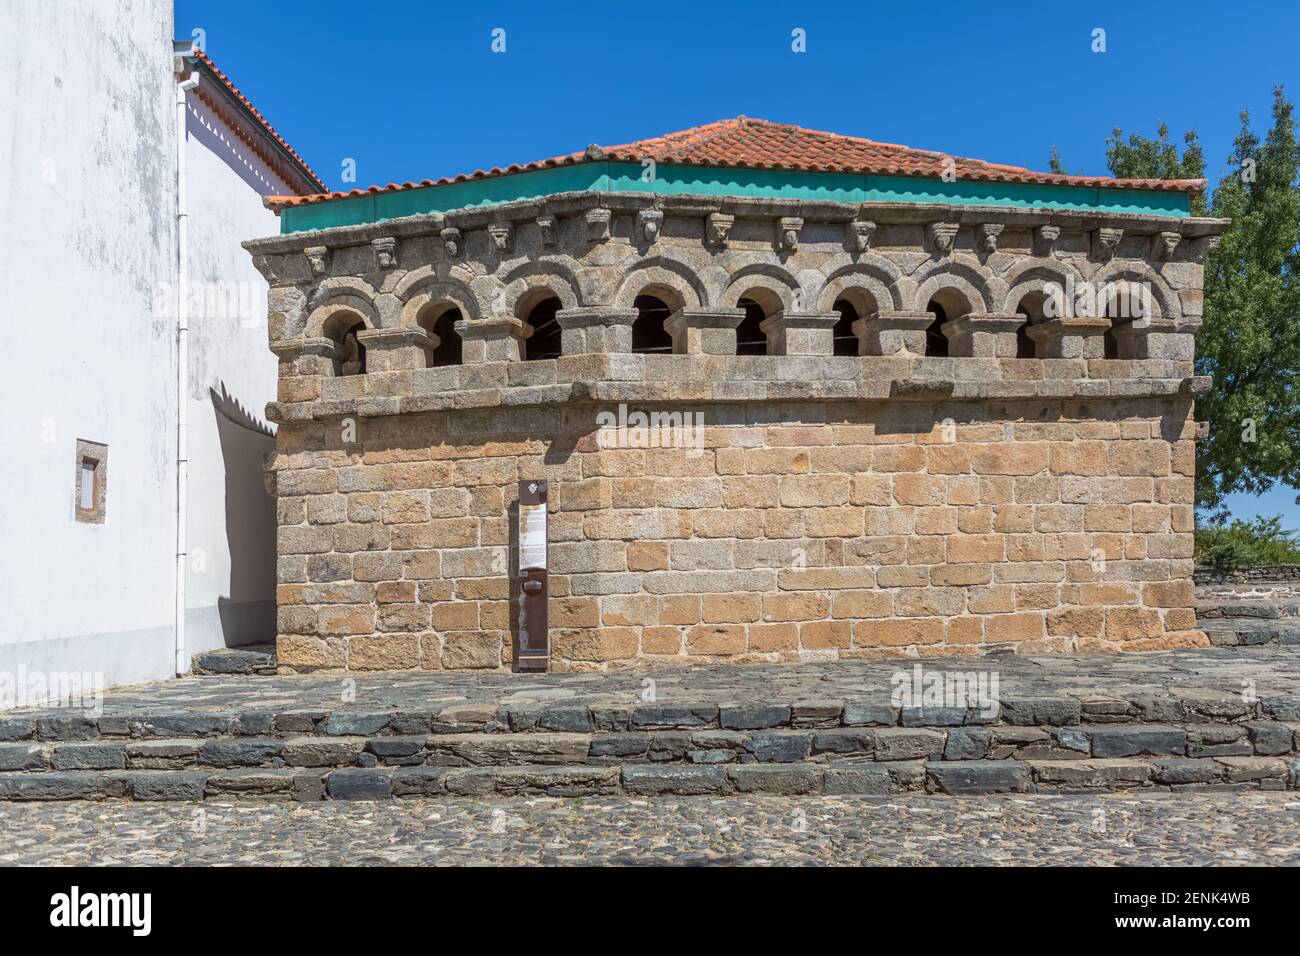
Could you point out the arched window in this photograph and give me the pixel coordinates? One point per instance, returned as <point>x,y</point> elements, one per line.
<point>350,356</point>
<point>936,343</point>
<point>845,339</point>
<point>945,304</point>
<point>1031,308</point>
<point>1105,304</point>
<point>545,340</point>
<point>1121,301</point>
<point>648,332</point>
<point>448,350</point>
<point>750,339</point>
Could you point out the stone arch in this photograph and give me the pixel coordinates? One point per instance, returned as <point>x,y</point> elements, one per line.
<point>1164,300</point>
<point>860,282</point>
<point>522,287</point>
<point>1036,278</point>
<point>666,278</point>
<point>425,300</point>
<point>674,282</point>
<point>336,297</point>
<point>769,285</point>
<point>973,285</point>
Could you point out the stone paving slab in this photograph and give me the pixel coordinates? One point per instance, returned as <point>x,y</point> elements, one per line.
<point>1256,829</point>
<point>1270,671</point>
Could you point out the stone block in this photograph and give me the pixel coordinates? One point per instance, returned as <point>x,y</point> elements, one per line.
<point>358,784</point>
<point>1132,740</point>
<point>964,778</point>
<point>779,780</point>
<point>681,781</point>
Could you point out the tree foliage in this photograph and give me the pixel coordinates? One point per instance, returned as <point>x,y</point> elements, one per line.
<point>1250,339</point>
<point>1247,543</point>
<point>1054,163</point>
<point>1141,158</point>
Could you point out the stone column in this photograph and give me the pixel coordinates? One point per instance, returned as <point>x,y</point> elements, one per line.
<point>1077,337</point>
<point>704,331</point>
<point>596,328</point>
<point>987,335</point>
<point>1157,339</point>
<point>888,333</point>
<point>314,356</point>
<point>303,363</point>
<point>494,339</point>
<point>390,350</point>
<point>800,333</point>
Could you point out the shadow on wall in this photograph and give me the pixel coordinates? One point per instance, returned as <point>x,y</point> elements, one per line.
<point>248,611</point>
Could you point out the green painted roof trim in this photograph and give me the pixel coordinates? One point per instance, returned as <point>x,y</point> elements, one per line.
<point>702,181</point>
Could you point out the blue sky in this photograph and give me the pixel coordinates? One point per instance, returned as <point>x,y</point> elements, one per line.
<point>412,90</point>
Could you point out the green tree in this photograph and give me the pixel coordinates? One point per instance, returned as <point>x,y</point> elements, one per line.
<point>1250,339</point>
<point>1242,543</point>
<point>1141,158</point>
<point>1054,161</point>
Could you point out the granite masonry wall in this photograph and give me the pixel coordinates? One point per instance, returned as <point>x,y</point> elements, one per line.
<point>1031,490</point>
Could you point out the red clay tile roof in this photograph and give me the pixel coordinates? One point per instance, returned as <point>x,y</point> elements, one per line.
<point>303,170</point>
<point>747,143</point>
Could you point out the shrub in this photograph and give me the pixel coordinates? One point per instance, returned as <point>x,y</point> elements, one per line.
<point>1247,543</point>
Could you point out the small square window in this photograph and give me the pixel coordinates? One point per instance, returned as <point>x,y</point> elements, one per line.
<point>92,481</point>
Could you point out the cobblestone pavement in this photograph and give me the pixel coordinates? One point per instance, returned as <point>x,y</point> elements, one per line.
<point>1118,829</point>
<point>1270,671</point>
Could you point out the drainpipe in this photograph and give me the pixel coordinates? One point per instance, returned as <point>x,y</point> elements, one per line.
<point>182,355</point>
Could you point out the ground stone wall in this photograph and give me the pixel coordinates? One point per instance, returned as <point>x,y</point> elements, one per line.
<point>1246,576</point>
<point>831,530</point>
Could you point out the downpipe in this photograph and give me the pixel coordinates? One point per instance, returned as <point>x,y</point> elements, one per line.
<point>182,362</point>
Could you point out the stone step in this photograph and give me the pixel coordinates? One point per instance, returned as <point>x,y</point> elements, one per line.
<point>1267,609</point>
<point>953,778</point>
<point>699,748</point>
<point>245,659</point>
<point>1250,631</point>
<point>1136,707</point>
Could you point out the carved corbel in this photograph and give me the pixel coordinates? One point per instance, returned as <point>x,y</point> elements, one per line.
<point>549,228</point>
<point>385,251</point>
<point>860,232</point>
<point>598,222</point>
<point>1106,242</point>
<point>718,229</point>
<point>987,236</point>
<point>501,234</point>
<point>318,257</point>
<point>1165,245</point>
<point>451,241</point>
<point>787,235</point>
<point>1045,240</point>
<point>267,267</point>
<point>649,223</point>
<point>1203,246</point>
<point>942,236</point>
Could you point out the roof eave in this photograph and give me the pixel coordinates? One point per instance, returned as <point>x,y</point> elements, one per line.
<point>1191,187</point>
<point>258,123</point>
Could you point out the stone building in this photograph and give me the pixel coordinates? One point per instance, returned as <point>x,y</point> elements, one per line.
<point>796,395</point>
